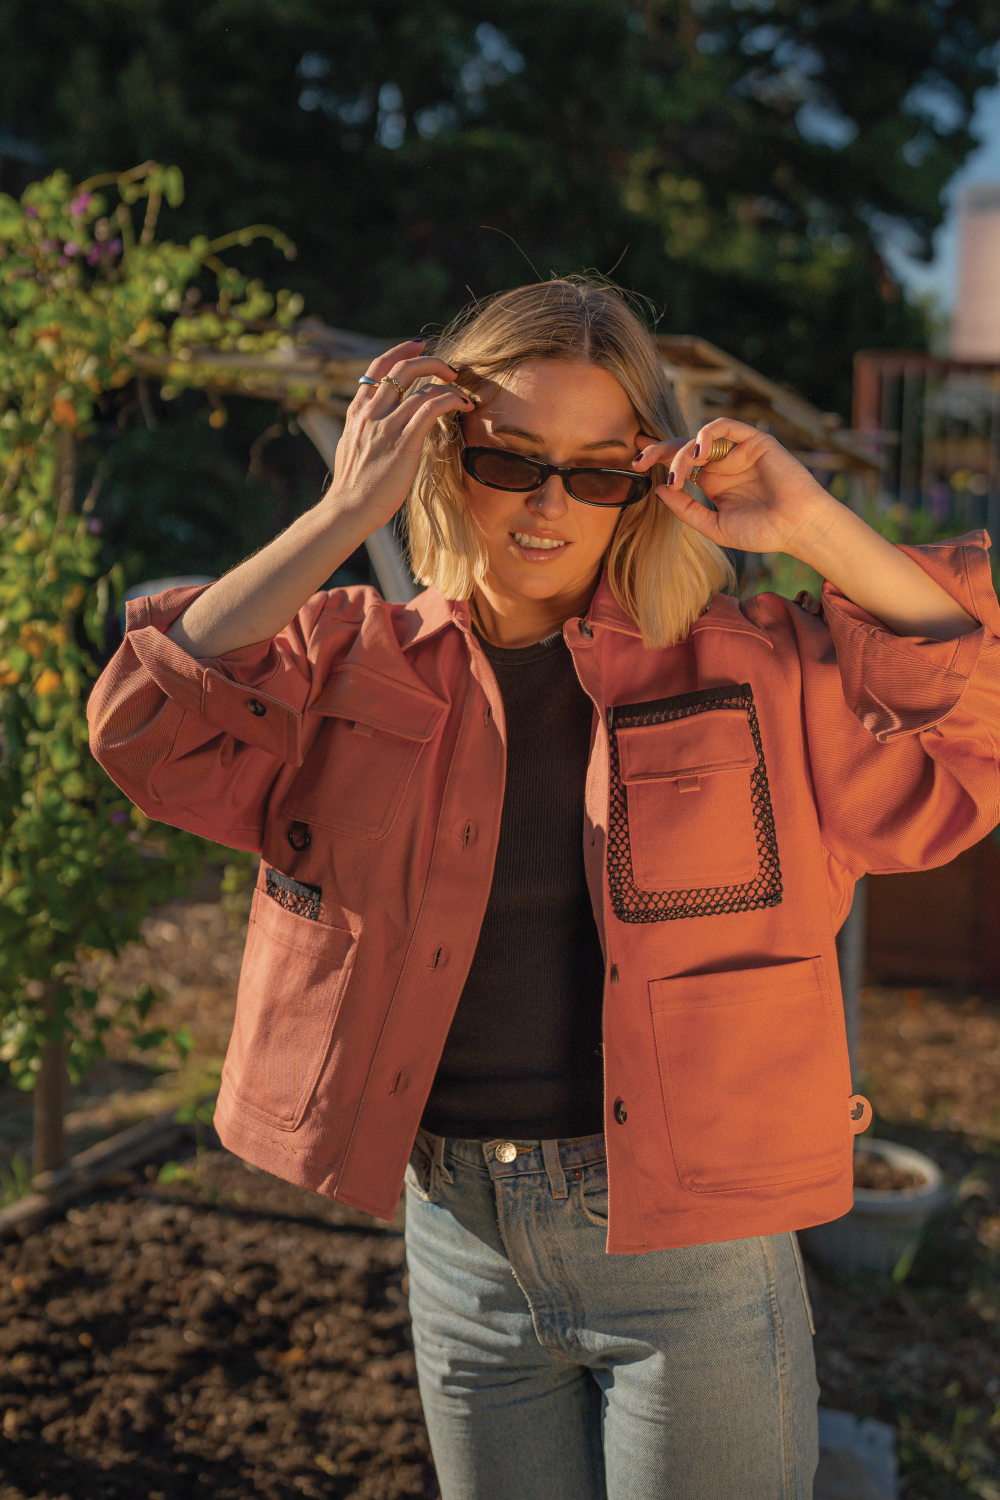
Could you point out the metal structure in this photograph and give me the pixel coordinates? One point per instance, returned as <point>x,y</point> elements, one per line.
<point>932,426</point>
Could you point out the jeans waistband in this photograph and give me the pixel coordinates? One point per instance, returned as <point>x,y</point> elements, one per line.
<point>554,1158</point>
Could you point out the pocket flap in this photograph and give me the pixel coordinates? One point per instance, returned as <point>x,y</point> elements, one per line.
<point>698,745</point>
<point>365,697</point>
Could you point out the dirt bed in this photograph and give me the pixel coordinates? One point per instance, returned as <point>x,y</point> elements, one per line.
<point>224,1337</point>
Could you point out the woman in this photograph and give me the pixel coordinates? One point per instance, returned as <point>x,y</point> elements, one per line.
<point>553,860</point>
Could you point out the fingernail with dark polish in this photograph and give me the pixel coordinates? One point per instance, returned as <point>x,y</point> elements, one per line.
<point>697,450</point>
<point>670,478</point>
<point>417,338</point>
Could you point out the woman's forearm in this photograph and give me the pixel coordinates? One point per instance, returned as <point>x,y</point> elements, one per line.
<point>260,596</point>
<point>874,574</point>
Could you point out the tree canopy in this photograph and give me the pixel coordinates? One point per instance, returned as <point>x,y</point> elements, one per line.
<point>737,161</point>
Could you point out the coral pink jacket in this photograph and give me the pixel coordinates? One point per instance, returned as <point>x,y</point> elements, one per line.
<point>739,784</point>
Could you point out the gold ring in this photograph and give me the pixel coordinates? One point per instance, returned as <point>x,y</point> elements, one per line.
<point>720,448</point>
<point>390,380</point>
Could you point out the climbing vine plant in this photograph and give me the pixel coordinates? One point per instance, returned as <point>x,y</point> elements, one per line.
<point>86,291</point>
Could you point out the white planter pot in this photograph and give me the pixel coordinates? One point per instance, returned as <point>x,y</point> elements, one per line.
<point>882,1227</point>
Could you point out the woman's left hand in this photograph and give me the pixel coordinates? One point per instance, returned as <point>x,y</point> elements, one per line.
<point>765,500</point>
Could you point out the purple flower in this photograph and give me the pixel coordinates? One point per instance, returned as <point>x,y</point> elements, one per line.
<point>94,255</point>
<point>31,212</point>
<point>80,205</point>
<point>71,248</point>
<point>47,246</point>
<point>119,817</point>
<point>113,247</point>
<point>64,260</point>
<point>94,523</point>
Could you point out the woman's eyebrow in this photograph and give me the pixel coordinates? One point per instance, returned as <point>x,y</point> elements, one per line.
<point>533,437</point>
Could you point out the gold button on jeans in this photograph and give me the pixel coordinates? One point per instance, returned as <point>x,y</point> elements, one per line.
<point>506,1151</point>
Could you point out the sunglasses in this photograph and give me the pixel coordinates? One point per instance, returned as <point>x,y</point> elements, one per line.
<point>501,470</point>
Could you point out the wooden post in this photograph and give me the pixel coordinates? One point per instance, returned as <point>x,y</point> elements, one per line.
<point>50,1099</point>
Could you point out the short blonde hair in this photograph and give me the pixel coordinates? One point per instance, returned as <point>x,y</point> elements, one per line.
<point>662,573</point>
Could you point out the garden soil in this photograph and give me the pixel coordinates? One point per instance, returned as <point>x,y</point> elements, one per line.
<point>198,1329</point>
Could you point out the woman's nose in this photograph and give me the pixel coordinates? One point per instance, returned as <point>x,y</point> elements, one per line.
<point>551,499</point>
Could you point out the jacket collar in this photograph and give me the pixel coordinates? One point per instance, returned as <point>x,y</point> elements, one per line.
<point>723,613</point>
<point>430,612</point>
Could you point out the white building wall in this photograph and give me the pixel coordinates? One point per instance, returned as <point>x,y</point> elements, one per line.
<point>975,329</point>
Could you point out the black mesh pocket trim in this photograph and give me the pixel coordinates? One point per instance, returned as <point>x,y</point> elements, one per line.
<point>303,900</point>
<point>630,903</point>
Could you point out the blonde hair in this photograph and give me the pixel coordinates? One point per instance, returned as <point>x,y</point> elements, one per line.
<point>662,573</point>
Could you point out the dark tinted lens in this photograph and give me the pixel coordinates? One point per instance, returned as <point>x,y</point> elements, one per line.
<point>599,488</point>
<point>505,471</point>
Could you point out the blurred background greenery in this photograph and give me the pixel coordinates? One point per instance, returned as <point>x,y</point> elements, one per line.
<point>739,163</point>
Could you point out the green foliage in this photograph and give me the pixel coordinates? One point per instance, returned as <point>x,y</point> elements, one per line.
<point>82,300</point>
<point>740,162</point>
<point>15,1181</point>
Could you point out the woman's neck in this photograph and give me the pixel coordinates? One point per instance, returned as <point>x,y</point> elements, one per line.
<point>514,622</point>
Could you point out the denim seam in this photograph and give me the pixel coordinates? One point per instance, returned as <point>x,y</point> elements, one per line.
<point>781,1355</point>
<point>800,1267</point>
<point>581,1199</point>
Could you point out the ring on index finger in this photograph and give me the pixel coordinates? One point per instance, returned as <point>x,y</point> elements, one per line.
<point>721,448</point>
<point>366,380</point>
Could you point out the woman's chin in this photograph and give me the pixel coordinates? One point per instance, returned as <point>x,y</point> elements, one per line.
<point>539,581</point>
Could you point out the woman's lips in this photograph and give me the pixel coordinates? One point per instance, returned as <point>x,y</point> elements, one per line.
<point>536,548</point>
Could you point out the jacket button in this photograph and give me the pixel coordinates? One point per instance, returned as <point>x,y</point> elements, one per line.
<point>586,631</point>
<point>621,1113</point>
<point>256,707</point>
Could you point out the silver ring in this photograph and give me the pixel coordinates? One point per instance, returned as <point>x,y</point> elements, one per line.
<point>366,380</point>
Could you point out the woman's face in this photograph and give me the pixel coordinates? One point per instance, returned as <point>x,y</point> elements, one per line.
<point>545,546</point>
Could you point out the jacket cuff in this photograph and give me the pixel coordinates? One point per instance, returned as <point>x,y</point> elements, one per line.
<point>228,691</point>
<point>900,685</point>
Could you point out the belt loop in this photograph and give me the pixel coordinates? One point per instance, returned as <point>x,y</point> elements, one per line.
<point>438,1161</point>
<point>553,1167</point>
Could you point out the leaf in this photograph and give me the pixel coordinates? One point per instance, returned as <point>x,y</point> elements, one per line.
<point>183,1040</point>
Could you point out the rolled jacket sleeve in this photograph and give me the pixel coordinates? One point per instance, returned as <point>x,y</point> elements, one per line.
<point>898,685</point>
<point>199,743</point>
<point>908,776</point>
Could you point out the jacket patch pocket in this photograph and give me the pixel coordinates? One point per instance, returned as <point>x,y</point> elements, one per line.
<point>295,971</point>
<point>691,827</point>
<point>754,1076</point>
<point>354,777</point>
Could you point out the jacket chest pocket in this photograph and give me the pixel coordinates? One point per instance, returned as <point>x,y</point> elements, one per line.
<point>691,828</point>
<point>361,762</point>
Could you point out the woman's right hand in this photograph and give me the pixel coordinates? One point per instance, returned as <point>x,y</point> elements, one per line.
<point>379,450</point>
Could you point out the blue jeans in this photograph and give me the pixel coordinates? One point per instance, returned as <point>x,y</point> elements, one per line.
<point>549,1370</point>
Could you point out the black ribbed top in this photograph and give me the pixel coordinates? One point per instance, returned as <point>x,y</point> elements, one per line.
<point>523,1056</point>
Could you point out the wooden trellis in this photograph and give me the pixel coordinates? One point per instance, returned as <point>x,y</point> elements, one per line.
<point>316,376</point>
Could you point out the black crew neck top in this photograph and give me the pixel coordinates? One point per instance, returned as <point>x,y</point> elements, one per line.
<point>523,1057</point>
